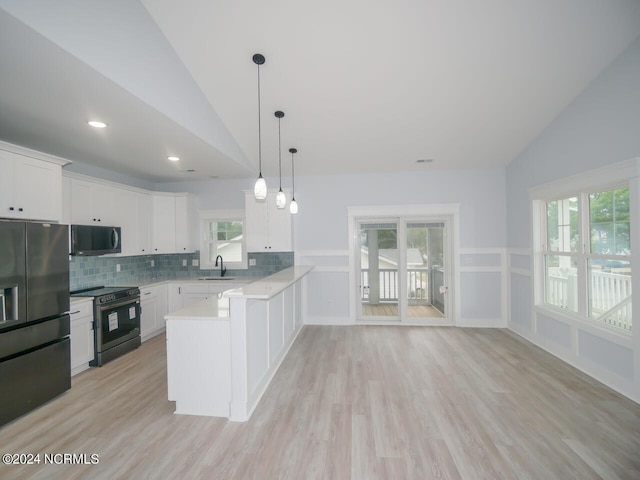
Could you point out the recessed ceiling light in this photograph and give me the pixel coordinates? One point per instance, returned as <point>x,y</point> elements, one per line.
<point>97,124</point>
<point>425,160</point>
<point>173,159</point>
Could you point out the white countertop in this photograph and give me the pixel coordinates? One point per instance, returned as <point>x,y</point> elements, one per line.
<point>212,308</point>
<point>234,281</point>
<point>271,286</point>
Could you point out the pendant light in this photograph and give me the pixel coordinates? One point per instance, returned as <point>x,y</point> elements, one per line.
<point>260,188</point>
<point>281,199</point>
<point>293,206</point>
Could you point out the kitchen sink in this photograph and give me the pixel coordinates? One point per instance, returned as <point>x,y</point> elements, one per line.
<point>216,278</point>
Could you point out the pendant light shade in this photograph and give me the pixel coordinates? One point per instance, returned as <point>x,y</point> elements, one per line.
<point>281,199</point>
<point>293,206</point>
<point>260,188</point>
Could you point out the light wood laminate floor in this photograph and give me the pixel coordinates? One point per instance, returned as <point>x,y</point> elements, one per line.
<point>361,402</point>
<point>391,310</point>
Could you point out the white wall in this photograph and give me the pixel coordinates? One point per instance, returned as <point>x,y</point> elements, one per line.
<point>321,228</point>
<point>600,127</point>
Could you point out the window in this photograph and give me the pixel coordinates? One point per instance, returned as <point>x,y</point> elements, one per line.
<point>586,255</point>
<point>222,233</point>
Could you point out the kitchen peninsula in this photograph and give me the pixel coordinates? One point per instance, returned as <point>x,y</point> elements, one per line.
<point>222,352</point>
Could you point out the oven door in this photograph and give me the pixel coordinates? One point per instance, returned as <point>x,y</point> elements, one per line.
<point>117,323</point>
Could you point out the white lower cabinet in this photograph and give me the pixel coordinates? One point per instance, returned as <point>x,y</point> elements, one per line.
<point>82,347</point>
<point>186,293</point>
<point>153,303</point>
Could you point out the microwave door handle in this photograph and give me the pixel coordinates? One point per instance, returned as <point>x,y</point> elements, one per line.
<point>114,238</point>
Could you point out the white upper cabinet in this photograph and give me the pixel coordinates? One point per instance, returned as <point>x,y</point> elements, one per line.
<point>29,188</point>
<point>93,204</point>
<point>163,238</point>
<point>151,222</point>
<point>133,212</point>
<point>184,224</point>
<point>145,209</point>
<point>268,228</point>
<point>173,223</point>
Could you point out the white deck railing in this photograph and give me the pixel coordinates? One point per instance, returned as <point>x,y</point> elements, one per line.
<point>388,285</point>
<point>610,296</point>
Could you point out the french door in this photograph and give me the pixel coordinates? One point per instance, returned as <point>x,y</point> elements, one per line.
<point>402,270</point>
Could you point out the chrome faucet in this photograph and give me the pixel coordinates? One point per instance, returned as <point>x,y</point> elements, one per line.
<point>223,269</point>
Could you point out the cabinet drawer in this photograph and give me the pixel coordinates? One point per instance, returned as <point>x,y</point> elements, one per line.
<point>148,292</point>
<point>80,309</point>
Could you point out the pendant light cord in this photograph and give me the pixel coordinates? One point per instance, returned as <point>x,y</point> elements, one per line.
<point>259,127</point>
<point>279,154</point>
<point>293,179</point>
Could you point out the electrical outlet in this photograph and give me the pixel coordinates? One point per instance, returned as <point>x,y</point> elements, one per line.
<point>195,262</point>
<point>252,262</point>
<point>117,267</point>
<point>184,262</point>
<point>153,263</point>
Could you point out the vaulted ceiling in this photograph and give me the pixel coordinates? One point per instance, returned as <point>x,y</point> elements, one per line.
<point>366,86</point>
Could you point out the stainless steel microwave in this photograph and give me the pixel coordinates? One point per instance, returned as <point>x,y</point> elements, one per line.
<point>89,240</point>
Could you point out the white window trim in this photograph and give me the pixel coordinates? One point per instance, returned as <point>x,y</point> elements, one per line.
<point>626,173</point>
<point>221,215</point>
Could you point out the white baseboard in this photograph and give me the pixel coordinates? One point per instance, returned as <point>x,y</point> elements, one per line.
<point>620,385</point>
<point>481,323</point>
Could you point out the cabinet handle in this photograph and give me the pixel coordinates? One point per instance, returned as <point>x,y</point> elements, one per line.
<point>73,313</point>
<point>11,209</point>
<point>179,290</point>
<point>148,293</point>
<point>20,209</point>
<point>95,220</point>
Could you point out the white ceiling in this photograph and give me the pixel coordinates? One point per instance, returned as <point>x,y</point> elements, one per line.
<point>366,85</point>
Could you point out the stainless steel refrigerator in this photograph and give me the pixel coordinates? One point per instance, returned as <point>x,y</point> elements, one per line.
<point>35,361</point>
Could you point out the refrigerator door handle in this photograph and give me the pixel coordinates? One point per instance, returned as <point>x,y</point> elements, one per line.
<point>3,308</point>
<point>8,297</point>
<point>114,238</point>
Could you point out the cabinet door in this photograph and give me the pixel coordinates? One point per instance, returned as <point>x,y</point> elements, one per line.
<point>279,227</point>
<point>81,337</point>
<point>7,174</point>
<point>164,224</point>
<point>38,189</point>
<point>125,208</point>
<point>184,224</point>
<point>163,305</point>
<point>92,203</point>
<point>191,298</point>
<point>149,315</point>
<point>174,297</point>
<point>256,222</point>
<point>144,223</point>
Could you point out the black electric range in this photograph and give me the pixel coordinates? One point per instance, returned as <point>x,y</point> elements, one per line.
<point>116,315</point>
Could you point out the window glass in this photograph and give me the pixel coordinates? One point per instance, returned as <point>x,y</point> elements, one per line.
<point>224,238</point>
<point>561,281</point>
<point>609,222</point>
<point>610,291</point>
<point>562,225</point>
